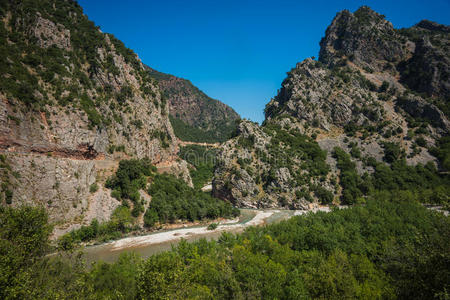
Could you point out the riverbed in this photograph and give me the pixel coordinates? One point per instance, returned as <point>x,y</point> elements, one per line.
<point>150,244</point>
<point>147,245</point>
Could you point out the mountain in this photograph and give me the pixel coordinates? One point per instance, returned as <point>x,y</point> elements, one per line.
<point>371,113</point>
<point>73,102</point>
<point>195,117</point>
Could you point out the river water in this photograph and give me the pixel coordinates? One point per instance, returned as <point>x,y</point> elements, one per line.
<point>110,252</point>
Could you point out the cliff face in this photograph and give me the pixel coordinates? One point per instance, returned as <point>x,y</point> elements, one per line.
<point>372,86</point>
<point>363,37</point>
<point>195,116</point>
<point>73,101</point>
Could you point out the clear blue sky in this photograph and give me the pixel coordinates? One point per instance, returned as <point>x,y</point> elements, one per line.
<point>237,51</point>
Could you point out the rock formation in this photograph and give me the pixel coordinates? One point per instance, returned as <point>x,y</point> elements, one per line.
<point>372,86</point>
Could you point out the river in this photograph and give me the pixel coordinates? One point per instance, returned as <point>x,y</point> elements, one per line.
<point>156,242</point>
<point>150,244</point>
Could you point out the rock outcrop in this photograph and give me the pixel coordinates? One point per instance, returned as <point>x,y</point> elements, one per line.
<point>363,37</point>
<point>270,167</point>
<point>373,87</point>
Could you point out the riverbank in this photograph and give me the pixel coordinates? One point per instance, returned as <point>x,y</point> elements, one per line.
<point>147,245</point>
<point>177,234</point>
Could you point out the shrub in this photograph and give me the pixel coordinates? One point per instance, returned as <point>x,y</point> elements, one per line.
<point>130,177</point>
<point>421,141</point>
<point>212,226</point>
<point>93,188</point>
<point>392,152</point>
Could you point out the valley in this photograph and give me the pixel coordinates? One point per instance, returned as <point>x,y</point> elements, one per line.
<point>118,181</point>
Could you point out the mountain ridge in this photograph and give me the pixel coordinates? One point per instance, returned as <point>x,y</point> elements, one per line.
<point>360,105</point>
<point>195,116</point>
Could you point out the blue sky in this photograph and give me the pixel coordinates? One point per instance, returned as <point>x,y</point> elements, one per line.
<point>237,51</point>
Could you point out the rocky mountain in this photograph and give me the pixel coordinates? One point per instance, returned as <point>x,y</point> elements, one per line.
<point>195,116</point>
<point>73,102</point>
<point>377,97</point>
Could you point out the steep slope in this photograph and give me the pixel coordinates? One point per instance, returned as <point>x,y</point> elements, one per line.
<point>195,116</point>
<point>73,101</point>
<point>363,102</point>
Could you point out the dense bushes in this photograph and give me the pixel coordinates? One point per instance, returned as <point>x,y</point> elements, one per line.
<point>423,180</point>
<point>173,199</point>
<point>130,177</point>
<point>392,152</point>
<point>24,236</point>
<point>392,247</point>
<point>349,179</point>
<point>292,144</point>
<point>442,152</point>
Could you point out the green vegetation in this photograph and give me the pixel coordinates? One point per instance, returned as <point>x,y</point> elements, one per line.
<point>121,223</point>
<point>203,159</point>
<point>93,188</point>
<point>212,226</point>
<point>398,176</point>
<point>291,144</point>
<point>173,199</point>
<point>442,152</point>
<point>392,152</point>
<point>131,176</point>
<point>392,247</point>
<point>352,184</point>
<point>186,132</point>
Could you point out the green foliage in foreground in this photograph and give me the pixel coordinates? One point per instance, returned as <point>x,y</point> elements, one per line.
<point>203,159</point>
<point>390,248</point>
<point>173,199</point>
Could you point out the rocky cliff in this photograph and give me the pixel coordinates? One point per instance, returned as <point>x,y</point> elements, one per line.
<point>73,101</point>
<point>195,116</point>
<point>375,90</point>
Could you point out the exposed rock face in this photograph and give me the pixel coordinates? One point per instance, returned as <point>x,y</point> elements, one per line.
<point>257,170</point>
<point>49,34</point>
<point>78,96</point>
<point>360,95</point>
<point>324,97</point>
<point>363,37</point>
<point>214,120</point>
<point>428,70</point>
<point>419,108</point>
<point>62,186</point>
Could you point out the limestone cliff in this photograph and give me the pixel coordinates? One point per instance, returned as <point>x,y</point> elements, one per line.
<point>73,101</point>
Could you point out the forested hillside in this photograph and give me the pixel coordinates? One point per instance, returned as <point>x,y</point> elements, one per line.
<point>195,116</point>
